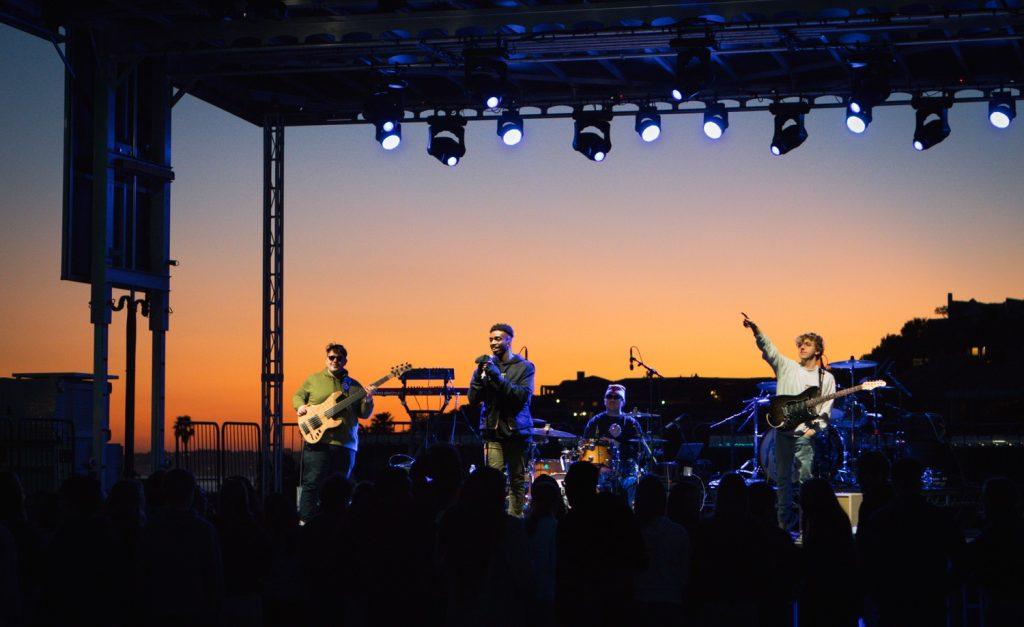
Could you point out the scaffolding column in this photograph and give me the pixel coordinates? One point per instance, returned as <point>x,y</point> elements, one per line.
<point>272,379</point>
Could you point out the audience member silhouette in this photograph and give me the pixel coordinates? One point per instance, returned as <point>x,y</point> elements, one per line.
<point>484,556</point>
<point>245,548</point>
<point>659,586</point>
<point>283,601</point>
<point>830,596</point>
<point>545,509</point>
<point>29,544</point>
<point>126,510</point>
<point>910,551</point>
<point>182,571</point>
<point>781,558</point>
<point>873,479</point>
<point>685,503</point>
<point>599,549</point>
<point>82,544</point>
<point>728,539</point>
<point>997,555</point>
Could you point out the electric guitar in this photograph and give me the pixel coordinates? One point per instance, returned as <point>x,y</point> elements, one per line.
<point>320,418</point>
<point>789,412</point>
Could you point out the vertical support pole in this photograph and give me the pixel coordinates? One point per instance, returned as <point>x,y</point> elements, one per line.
<point>158,325</point>
<point>102,236</point>
<point>272,375</point>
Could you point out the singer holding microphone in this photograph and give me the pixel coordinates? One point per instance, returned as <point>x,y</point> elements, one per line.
<point>502,383</point>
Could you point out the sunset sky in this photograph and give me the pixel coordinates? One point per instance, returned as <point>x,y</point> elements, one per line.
<point>402,259</point>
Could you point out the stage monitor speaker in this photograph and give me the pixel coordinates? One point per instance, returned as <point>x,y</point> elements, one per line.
<point>850,502</point>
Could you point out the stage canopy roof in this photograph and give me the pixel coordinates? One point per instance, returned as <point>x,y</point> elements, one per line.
<point>318,62</point>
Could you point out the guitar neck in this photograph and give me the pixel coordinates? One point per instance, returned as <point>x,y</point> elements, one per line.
<point>353,397</point>
<point>818,400</point>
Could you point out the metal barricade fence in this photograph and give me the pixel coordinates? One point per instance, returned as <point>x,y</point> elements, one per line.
<point>197,449</point>
<point>240,451</point>
<point>42,452</point>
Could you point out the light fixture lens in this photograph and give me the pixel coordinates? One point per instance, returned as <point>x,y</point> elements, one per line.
<point>388,126</point>
<point>918,145</point>
<point>999,118</point>
<point>493,102</point>
<point>676,94</point>
<point>650,132</point>
<point>855,106</point>
<point>512,136</point>
<point>390,142</point>
<point>856,123</point>
<point>452,161</point>
<point>775,150</point>
<point>712,129</point>
<point>598,156</point>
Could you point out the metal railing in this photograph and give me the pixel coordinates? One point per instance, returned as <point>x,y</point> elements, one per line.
<point>40,451</point>
<point>240,451</point>
<point>197,449</point>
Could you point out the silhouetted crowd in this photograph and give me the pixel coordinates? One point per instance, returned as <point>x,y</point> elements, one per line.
<point>432,546</point>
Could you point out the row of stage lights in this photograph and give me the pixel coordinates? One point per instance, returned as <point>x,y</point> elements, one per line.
<point>592,134</point>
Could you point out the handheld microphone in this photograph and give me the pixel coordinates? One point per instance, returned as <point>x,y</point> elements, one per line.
<point>481,362</point>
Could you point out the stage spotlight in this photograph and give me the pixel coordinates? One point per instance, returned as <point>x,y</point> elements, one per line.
<point>648,124</point>
<point>789,126</point>
<point>693,71</point>
<point>932,121</point>
<point>716,120</point>
<point>389,134</point>
<point>857,117</point>
<point>510,127</point>
<point>592,134</point>
<point>384,110</point>
<point>486,75</point>
<point>1002,108</point>
<point>446,139</point>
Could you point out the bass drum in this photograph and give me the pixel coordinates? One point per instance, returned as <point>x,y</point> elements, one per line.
<point>828,454</point>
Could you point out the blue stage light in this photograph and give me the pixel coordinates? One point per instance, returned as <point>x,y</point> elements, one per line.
<point>389,134</point>
<point>446,139</point>
<point>789,126</point>
<point>932,121</point>
<point>648,124</point>
<point>716,120</point>
<point>510,128</point>
<point>857,117</point>
<point>1001,110</point>
<point>592,134</point>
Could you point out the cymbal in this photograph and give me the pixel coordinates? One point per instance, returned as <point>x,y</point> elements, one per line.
<point>551,433</point>
<point>853,364</point>
<point>649,440</point>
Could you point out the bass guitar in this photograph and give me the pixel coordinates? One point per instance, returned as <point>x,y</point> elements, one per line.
<point>320,418</point>
<point>789,412</point>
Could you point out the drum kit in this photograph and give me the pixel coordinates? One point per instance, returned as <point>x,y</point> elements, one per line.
<point>857,424</point>
<point>620,470</point>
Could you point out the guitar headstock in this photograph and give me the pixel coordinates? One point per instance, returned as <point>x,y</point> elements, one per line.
<point>401,369</point>
<point>870,385</point>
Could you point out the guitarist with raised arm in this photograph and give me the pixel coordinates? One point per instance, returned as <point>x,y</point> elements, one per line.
<point>336,450</point>
<point>794,447</point>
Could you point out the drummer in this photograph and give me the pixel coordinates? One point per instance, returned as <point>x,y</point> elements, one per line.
<point>613,427</point>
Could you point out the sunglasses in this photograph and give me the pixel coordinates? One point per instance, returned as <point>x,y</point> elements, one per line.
<point>335,357</point>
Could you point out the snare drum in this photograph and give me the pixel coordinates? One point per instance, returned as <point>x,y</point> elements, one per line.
<point>597,453</point>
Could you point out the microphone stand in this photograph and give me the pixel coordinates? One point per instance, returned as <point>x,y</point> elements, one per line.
<point>650,373</point>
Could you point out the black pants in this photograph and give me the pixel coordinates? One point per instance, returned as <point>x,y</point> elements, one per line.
<point>512,458</point>
<point>318,461</point>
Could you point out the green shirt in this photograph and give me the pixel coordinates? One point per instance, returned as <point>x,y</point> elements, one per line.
<point>318,387</point>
